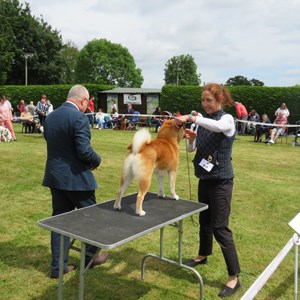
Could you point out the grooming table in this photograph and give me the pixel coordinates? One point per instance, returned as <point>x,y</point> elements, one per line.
<point>102,226</point>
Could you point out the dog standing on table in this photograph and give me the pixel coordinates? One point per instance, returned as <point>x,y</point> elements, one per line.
<point>145,157</point>
<point>5,134</point>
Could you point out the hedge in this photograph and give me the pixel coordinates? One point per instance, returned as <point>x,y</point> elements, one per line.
<point>57,94</point>
<point>262,99</point>
<point>182,98</point>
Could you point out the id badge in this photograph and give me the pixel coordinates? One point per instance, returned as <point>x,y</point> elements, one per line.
<point>206,165</point>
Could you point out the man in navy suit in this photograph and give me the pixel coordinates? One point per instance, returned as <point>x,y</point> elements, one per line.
<point>68,173</point>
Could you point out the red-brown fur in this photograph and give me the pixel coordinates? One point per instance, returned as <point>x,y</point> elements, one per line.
<point>145,157</point>
<point>124,123</point>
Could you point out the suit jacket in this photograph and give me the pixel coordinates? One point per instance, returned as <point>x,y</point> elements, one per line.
<point>70,156</point>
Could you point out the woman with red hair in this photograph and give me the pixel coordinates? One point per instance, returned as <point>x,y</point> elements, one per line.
<point>212,140</point>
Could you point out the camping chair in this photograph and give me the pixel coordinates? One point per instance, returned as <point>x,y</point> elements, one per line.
<point>107,119</point>
<point>297,134</point>
<point>136,119</point>
<point>284,135</point>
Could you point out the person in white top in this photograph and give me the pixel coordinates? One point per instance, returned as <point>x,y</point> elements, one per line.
<point>213,166</point>
<point>100,118</point>
<point>49,108</point>
<point>282,109</point>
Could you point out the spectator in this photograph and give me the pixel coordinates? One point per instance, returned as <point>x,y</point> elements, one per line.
<point>31,108</point>
<point>100,119</point>
<point>114,120</point>
<point>156,120</point>
<point>252,117</point>
<point>282,109</point>
<point>278,130</point>
<point>113,108</point>
<point>242,115</point>
<point>90,111</point>
<point>177,114</point>
<point>41,109</point>
<point>27,119</point>
<point>49,108</point>
<point>21,107</point>
<point>262,129</point>
<point>130,112</point>
<point>6,116</point>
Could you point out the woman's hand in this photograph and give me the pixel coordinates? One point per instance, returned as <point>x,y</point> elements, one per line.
<point>179,120</point>
<point>190,134</point>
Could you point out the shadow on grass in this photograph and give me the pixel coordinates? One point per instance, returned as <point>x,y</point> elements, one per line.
<point>119,278</point>
<point>282,288</point>
<point>178,272</point>
<point>24,257</point>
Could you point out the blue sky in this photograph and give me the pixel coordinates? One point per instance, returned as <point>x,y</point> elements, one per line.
<point>257,39</point>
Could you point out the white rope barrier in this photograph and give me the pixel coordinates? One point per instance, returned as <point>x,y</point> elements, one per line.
<point>135,115</point>
<point>24,118</point>
<point>267,124</point>
<point>266,274</point>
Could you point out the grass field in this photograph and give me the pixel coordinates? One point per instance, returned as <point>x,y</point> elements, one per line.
<point>266,197</point>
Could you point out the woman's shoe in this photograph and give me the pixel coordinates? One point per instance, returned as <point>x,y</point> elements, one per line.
<point>227,291</point>
<point>193,263</point>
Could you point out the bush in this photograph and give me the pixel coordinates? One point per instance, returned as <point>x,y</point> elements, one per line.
<point>57,94</point>
<point>262,99</point>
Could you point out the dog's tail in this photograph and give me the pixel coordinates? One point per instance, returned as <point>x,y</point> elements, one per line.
<point>140,138</point>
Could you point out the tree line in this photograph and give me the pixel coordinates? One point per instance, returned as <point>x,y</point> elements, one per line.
<point>29,45</point>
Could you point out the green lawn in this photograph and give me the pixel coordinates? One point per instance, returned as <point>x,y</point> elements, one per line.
<point>266,197</point>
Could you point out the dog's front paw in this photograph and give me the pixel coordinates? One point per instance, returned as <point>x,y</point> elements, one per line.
<point>162,195</point>
<point>176,197</point>
<point>117,206</point>
<point>140,213</point>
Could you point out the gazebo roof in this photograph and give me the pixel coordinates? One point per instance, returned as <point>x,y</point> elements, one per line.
<point>120,90</point>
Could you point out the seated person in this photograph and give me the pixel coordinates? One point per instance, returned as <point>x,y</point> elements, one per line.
<point>262,129</point>
<point>114,122</point>
<point>129,113</point>
<point>156,121</point>
<point>278,130</point>
<point>100,119</point>
<point>107,121</point>
<point>27,119</point>
<point>252,117</point>
<point>177,114</point>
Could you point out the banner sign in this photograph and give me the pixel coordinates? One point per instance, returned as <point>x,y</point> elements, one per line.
<point>134,99</point>
<point>152,103</point>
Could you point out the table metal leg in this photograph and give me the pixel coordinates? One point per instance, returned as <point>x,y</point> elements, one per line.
<point>179,263</point>
<point>61,267</point>
<point>297,243</point>
<point>180,233</point>
<point>81,271</point>
<point>161,242</point>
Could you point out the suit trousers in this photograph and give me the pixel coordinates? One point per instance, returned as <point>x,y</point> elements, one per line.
<point>62,202</point>
<point>215,221</point>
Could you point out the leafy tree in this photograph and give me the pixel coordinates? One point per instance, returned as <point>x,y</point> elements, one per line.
<point>103,62</point>
<point>7,39</point>
<point>181,70</point>
<point>23,34</point>
<point>256,82</point>
<point>241,80</point>
<point>69,56</point>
